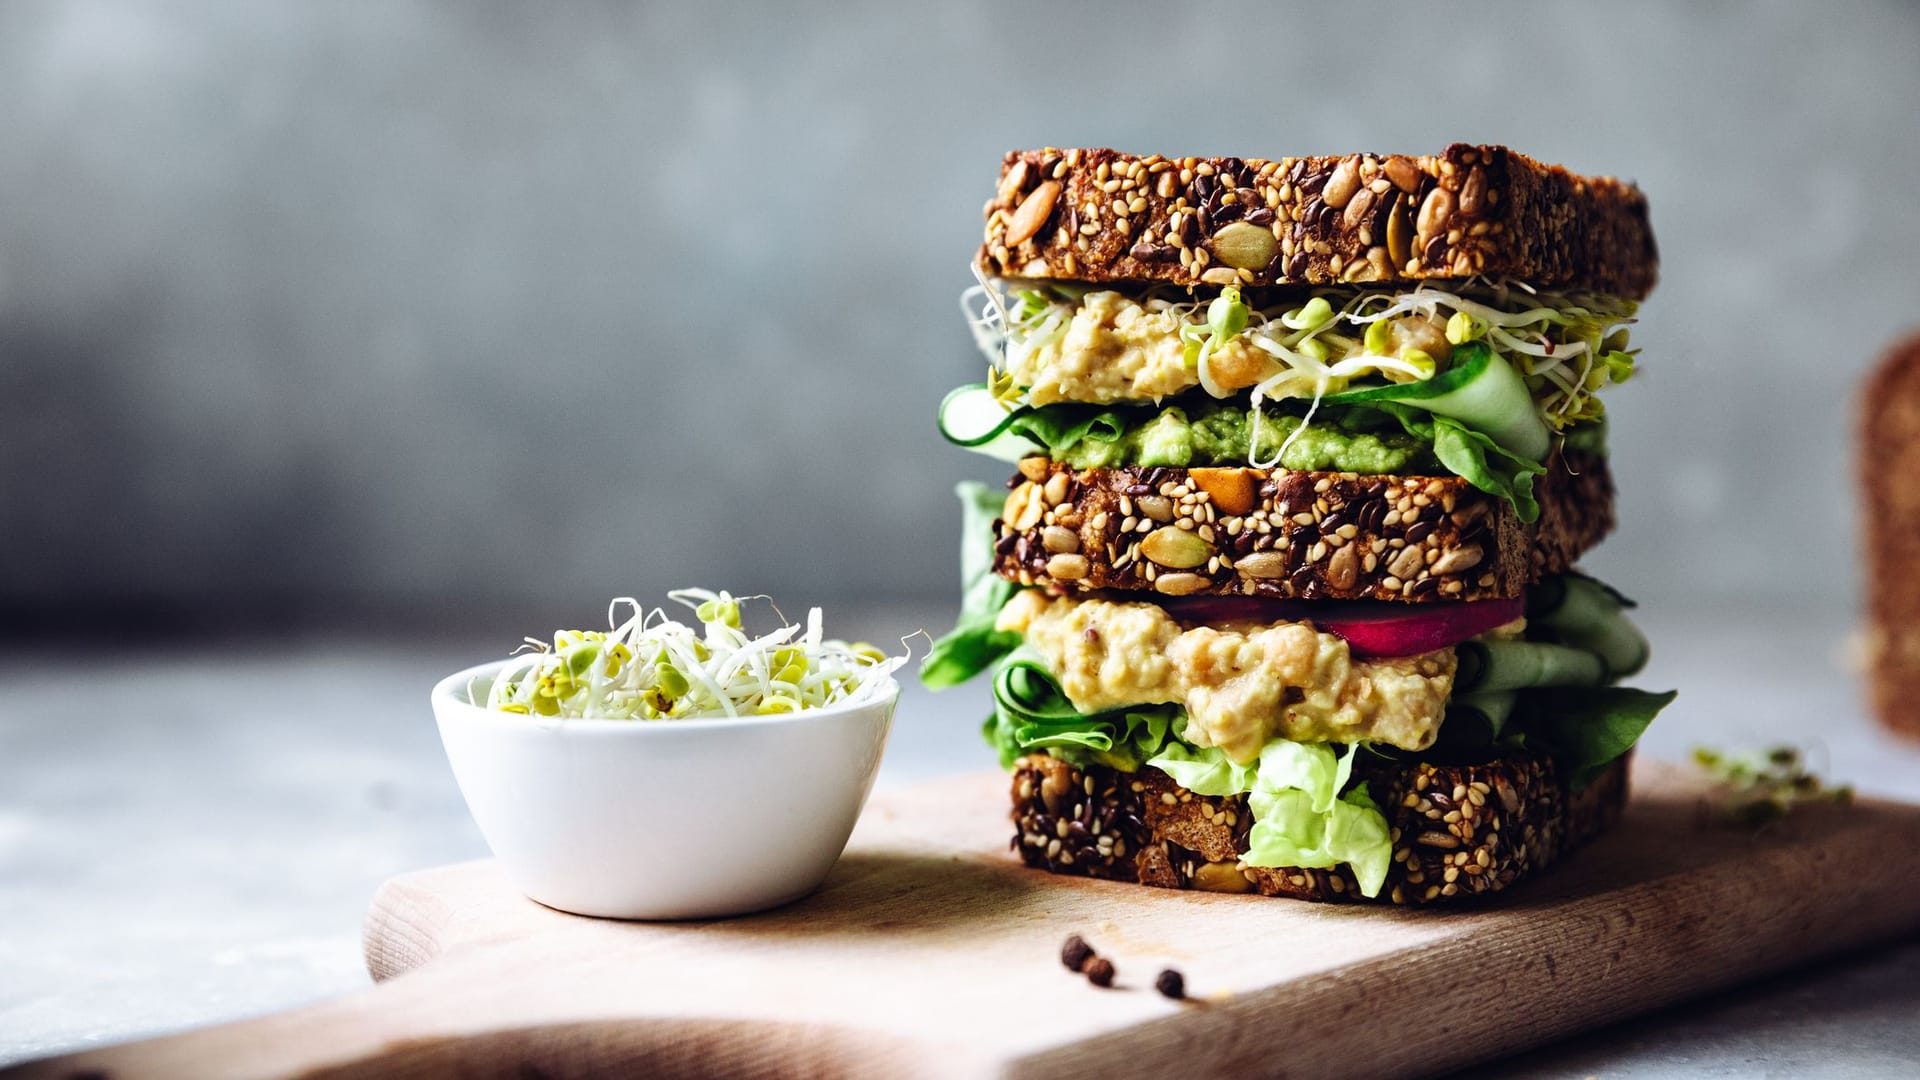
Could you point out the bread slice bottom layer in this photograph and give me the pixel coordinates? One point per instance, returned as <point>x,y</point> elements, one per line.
<point>1458,830</point>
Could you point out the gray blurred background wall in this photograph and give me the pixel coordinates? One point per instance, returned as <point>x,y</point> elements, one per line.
<point>382,309</point>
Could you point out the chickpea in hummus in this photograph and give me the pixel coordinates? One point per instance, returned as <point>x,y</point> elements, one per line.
<point>1242,684</point>
<point>1116,348</point>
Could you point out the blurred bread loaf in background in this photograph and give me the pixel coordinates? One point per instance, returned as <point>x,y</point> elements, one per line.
<point>1888,455</point>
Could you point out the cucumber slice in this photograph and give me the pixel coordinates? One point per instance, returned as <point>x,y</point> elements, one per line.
<point>1487,666</point>
<point>1489,707</point>
<point>1587,615</point>
<point>970,416</point>
<point>1480,390</point>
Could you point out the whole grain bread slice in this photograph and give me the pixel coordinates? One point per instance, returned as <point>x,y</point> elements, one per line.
<point>1458,830</point>
<point>1889,469</point>
<point>1283,534</point>
<point>1102,216</point>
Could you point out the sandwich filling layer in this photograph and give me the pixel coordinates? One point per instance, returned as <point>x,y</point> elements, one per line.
<point>1069,344</point>
<point>1482,383</point>
<point>1242,684</point>
<point>1278,701</point>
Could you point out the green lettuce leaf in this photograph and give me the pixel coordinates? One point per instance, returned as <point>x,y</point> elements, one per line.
<point>973,644</point>
<point>1586,728</point>
<point>1289,831</point>
<point>1030,713</point>
<point>1204,770</point>
<point>1300,817</point>
<point>1061,427</point>
<point>1460,449</point>
<point>1474,457</point>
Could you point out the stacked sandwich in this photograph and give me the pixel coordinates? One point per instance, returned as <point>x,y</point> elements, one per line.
<point>1282,598</point>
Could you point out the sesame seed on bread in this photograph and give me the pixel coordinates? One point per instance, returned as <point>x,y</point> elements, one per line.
<point>1458,830</point>
<point>1102,216</point>
<point>1283,534</point>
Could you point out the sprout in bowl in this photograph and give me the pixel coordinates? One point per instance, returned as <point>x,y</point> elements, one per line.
<point>650,667</point>
<point>587,802</point>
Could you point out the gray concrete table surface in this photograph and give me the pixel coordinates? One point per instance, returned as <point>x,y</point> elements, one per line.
<point>191,834</point>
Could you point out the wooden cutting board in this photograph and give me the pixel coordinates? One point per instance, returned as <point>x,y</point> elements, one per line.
<point>931,952</point>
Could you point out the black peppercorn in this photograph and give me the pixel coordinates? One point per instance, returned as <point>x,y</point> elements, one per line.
<point>1076,952</point>
<point>1171,984</point>
<point>1100,971</point>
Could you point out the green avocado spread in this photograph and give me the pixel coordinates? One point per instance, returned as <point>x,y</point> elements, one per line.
<point>1353,441</point>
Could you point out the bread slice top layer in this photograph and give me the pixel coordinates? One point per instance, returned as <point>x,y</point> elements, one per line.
<point>1096,215</point>
<point>1283,534</point>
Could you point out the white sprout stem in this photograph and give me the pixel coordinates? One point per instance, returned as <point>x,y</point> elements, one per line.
<point>1561,351</point>
<point>720,670</point>
<point>1207,381</point>
<point>991,287</point>
<point>1319,390</point>
<point>1515,321</point>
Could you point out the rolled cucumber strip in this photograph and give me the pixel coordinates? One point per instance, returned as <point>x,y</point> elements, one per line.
<point>1490,666</point>
<point>972,417</point>
<point>1480,390</point>
<point>1492,707</point>
<point>1586,614</point>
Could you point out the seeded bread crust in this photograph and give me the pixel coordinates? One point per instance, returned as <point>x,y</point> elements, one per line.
<point>1282,534</point>
<point>1458,830</point>
<point>1889,460</point>
<point>1098,215</point>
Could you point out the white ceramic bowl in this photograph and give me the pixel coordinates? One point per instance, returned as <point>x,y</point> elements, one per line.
<point>678,819</point>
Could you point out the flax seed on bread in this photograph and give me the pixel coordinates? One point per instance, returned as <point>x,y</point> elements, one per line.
<point>1101,216</point>
<point>1282,534</point>
<point>1459,830</point>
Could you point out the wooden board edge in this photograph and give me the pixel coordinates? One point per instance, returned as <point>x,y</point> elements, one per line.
<point>1680,957</point>
<point>404,923</point>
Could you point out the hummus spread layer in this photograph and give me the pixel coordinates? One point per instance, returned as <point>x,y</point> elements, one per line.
<point>1115,349</point>
<point>1242,684</point>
